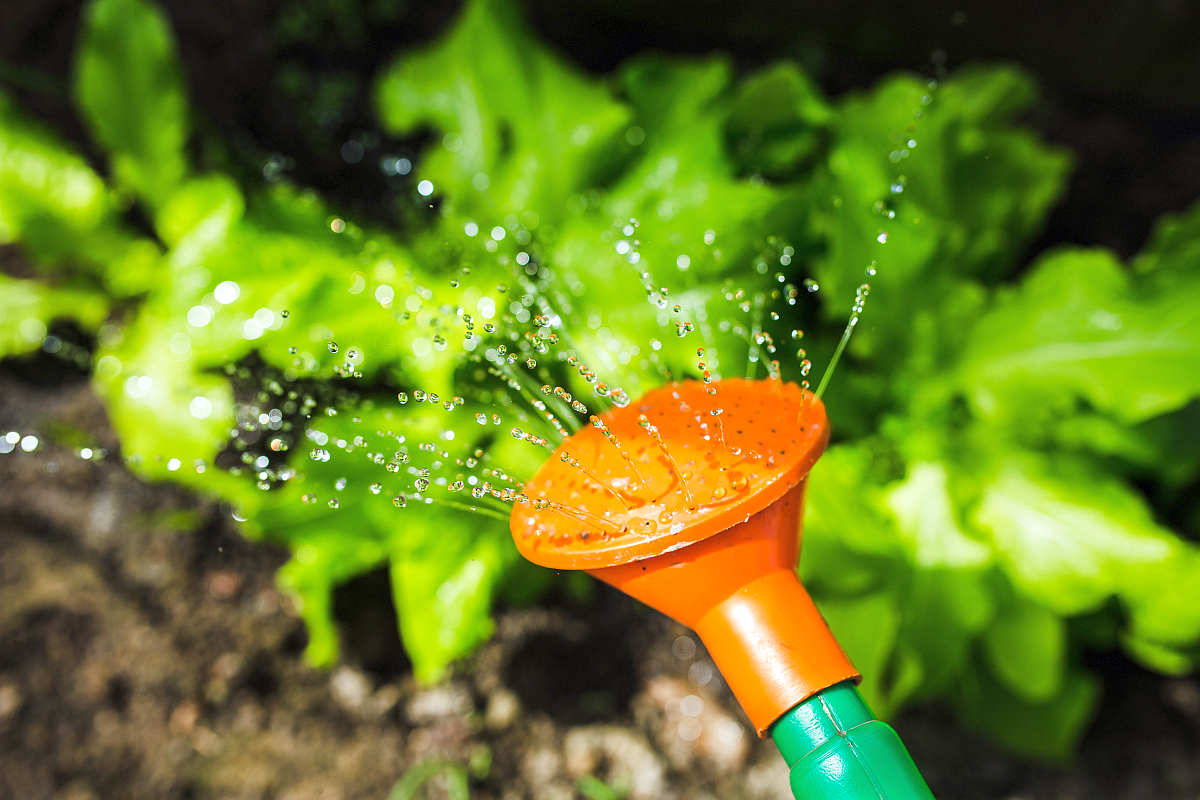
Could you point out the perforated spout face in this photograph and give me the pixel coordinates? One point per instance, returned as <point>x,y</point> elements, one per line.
<point>666,471</point>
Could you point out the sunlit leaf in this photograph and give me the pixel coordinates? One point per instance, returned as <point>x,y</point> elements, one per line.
<point>129,88</point>
<point>1080,326</point>
<point>28,307</point>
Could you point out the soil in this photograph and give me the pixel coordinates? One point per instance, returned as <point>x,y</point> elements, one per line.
<point>145,652</point>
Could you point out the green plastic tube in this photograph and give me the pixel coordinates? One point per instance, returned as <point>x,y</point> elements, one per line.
<point>837,750</point>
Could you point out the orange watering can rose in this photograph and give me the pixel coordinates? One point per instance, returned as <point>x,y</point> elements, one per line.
<point>690,499</point>
<point>697,515</point>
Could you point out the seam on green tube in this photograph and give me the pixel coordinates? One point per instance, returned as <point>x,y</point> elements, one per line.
<point>862,764</point>
<point>844,733</point>
<point>829,712</point>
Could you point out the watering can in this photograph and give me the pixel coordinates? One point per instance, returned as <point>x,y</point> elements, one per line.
<point>690,500</point>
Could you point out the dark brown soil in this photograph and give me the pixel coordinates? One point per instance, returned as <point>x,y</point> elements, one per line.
<point>146,653</point>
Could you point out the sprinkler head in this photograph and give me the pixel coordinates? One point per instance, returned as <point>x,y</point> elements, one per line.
<point>689,499</point>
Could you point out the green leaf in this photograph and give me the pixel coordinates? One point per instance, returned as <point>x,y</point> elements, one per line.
<point>318,564</point>
<point>1001,180</point>
<point>444,574</point>
<point>27,308</point>
<point>46,191</point>
<point>1166,446</point>
<point>521,130</point>
<point>1080,326</point>
<point>1026,649</point>
<point>340,517</point>
<point>927,524</point>
<point>697,225</point>
<point>946,597</point>
<point>59,210</point>
<point>1069,537</point>
<point>1174,246</point>
<point>1161,599</point>
<point>539,136</point>
<point>924,193</point>
<point>455,775</point>
<point>849,542</point>
<point>777,121</point>
<point>866,627</point>
<point>1160,658</point>
<point>205,207</point>
<point>172,415</point>
<point>130,91</point>
<point>959,174</point>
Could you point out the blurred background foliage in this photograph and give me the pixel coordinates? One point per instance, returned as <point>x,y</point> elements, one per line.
<point>1013,479</point>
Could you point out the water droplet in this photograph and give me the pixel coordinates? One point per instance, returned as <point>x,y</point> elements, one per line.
<point>333,346</point>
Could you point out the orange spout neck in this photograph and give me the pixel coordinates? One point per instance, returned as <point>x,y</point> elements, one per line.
<point>739,592</point>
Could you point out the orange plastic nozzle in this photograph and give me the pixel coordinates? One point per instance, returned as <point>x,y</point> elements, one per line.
<point>690,501</point>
